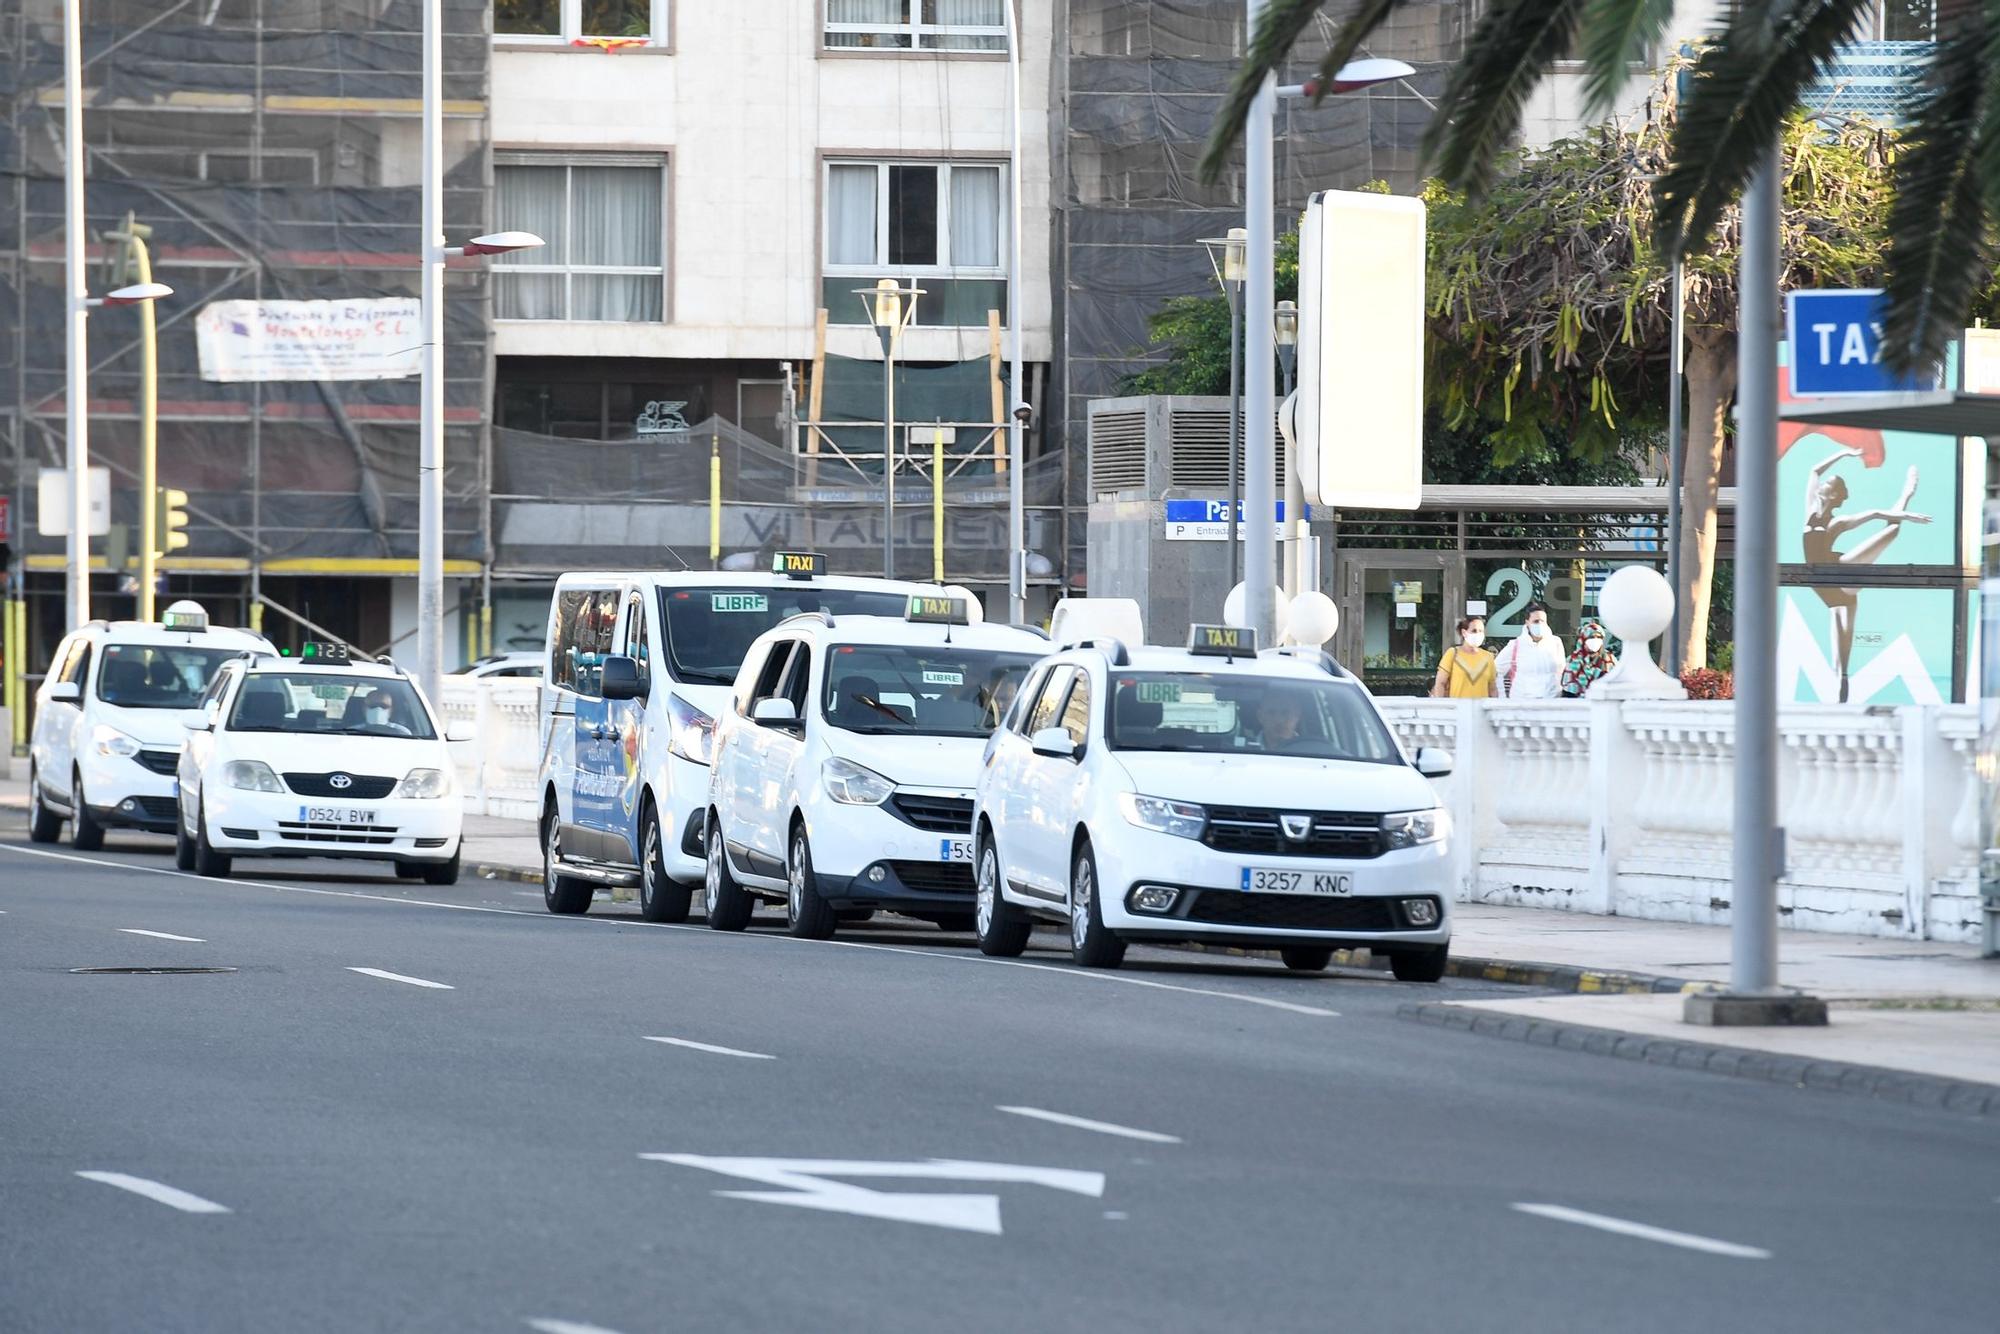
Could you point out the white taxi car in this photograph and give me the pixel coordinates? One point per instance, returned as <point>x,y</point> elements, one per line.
<point>317,756</point>
<point>1215,795</point>
<point>844,768</point>
<point>107,732</point>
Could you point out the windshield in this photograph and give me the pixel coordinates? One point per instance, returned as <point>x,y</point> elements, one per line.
<point>905,690</point>
<point>1261,715</point>
<point>709,629</point>
<point>158,676</point>
<point>325,704</point>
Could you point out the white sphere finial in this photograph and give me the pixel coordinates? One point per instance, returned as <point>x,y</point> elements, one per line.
<point>1235,609</point>
<point>1314,618</point>
<point>1637,605</point>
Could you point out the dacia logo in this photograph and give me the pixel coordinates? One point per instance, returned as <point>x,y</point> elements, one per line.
<point>1298,828</point>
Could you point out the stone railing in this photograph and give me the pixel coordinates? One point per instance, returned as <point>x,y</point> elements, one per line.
<point>1625,808</point>
<point>497,768</point>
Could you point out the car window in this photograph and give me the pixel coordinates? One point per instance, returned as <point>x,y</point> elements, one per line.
<point>708,630</point>
<point>585,621</point>
<point>772,676</point>
<point>1229,712</point>
<point>637,647</point>
<point>1076,713</point>
<point>77,664</point>
<point>921,690</point>
<point>1024,703</point>
<point>1048,704</point>
<point>325,703</point>
<point>158,676</point>
<point>216,686</point>
<point>796,677</point>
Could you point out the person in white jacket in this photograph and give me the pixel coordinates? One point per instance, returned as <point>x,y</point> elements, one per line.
<point>1531,667</point>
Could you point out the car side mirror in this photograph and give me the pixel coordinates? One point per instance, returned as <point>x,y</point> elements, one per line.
<point>1434,763</point>
<point>619,678</point>
<point>459,734</point>
<point>775,712</point>
<point>196,720</point>
<point>65,692</point>
<point>1054,743</point>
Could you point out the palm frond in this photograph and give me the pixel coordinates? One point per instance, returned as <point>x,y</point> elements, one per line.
<point>1615,32</point>
<point>1745,83</point>
<point>1277,31</point>
<point>1938,256</point>
<point>1353,35</point>
<point>1480,112</point>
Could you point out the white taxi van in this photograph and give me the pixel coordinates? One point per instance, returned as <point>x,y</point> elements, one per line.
<point>640,665</point>
<point>844,765</point>
<point>1216,795</point>
<point>107,735</point>
<point>317,756</point>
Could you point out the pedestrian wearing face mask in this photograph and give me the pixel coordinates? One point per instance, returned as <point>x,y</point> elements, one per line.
<point>1590,661</point>
<point>1467,671</point>
<point>1531,667</point>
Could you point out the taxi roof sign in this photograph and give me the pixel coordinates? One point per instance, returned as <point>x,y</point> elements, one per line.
<point>929,609</point>
<point>1222,641</point>
<point>184,616</point>
<point>799,564</point>
<point>319,650</point>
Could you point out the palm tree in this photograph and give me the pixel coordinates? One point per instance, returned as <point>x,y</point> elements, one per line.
<point>1747,79</point>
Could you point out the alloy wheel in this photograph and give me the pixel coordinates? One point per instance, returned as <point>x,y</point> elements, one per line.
<point>989,889</point>
<point>1080,895</point>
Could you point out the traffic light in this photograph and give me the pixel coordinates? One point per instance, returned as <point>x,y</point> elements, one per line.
<point>170,519</point>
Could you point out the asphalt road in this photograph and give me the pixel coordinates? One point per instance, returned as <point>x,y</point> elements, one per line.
<point>1263,1151</point>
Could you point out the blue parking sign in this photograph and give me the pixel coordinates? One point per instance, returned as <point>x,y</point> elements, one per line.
<point>1836,346</point>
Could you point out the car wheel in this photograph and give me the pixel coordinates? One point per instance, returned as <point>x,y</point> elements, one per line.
<point>962,923</point>
<point>1307,958</point>
<point>726,902</point>
<point>563,894</point>
<point>850,916</point>
<point>440,873</point>
<point>44,825</point>
<point>207,861</point>
<point>183,845</point>
<point>807,915</point>
<point>660,899</point>
<point>1422,965</point>
<point>1091,944</point>
<point>85,834</point>
<point>409,871</point>
<point>1002,928</point>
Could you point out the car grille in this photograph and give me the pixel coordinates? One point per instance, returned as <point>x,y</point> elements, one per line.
<point>1221,907</point>
<point>159,761</point>
<point>933,877</point>
<point>163,809</point>
<point>362,787</point>
<point>1246,829</point>
<point>935,815</point>
<point>326,831</point>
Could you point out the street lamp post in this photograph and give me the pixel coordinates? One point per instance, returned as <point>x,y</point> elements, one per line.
<point>76,408</point>
<point>1017,419</point>
<point>891,308</point>
<point>1225,256</point>
<point>1287,334</point>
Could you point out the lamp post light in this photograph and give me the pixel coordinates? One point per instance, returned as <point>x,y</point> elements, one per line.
<point>1285,328</point>
<point>891,308</point>
<point>1226,257</point>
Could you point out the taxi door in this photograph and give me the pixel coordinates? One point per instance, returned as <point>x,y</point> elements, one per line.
<point>598,781</point>
<point>780,748</point>
<point>1039,823</point>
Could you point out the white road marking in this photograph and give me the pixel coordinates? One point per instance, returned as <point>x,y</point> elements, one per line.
<point>162,935</point>
<point>1093,975</point>
<point>153,1190</point>
<point>1085,1123</point>
<point>719,1051</point>
<point>806,1186</point>
<point>1645,1232</point>
<point>398,977</point>
<point>547,1326</point>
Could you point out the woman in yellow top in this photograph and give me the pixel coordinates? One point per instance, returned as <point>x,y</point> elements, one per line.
<point>1467,670</point>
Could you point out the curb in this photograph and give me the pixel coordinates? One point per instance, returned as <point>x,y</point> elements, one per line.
<point>1951,1095</point>
<point>515,874</point>
<point>1557,977</point>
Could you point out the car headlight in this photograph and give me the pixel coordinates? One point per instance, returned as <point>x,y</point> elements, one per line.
<point>251,776</point>
<point>423,784</point>
<point>111,741</point>
<point>852,785</point>
<point>1181,818</point>
<point>690,732</point>
<point>1406,829</point>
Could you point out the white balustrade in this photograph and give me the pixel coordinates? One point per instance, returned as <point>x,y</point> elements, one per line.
<point>497,769</point>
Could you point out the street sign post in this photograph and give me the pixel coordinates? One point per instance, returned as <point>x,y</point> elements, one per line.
<point>1836,346</point>
<point>52,504</point>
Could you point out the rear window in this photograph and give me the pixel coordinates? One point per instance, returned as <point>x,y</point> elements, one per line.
<point>710,629</point>
<point>158,676</point>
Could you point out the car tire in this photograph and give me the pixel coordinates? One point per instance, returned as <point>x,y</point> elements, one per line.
<point>1091,943</point>
<point>85,834</point>
<point>1307,958</point>
<point>807,915</point>
<point>853,916</point>
<point>183,845</point>
<point>565,895</point>
<point>207,861</point>
<point>1422,965</point>
<point>1001,927</point>
<point>726,903</point>
<point>660,899</point>
<point>440,873</point>
<point>44,825</point>
<point>409,871</point>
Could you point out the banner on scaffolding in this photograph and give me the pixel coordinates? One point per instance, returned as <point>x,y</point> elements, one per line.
<point>365,339</point>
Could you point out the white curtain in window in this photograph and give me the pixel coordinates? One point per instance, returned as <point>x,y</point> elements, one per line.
<point>850,215</point>
<point>531,199</point>
<point>615,220</point>
<point>975,217</point>
<point>970,13</point>
<point>882,13</point>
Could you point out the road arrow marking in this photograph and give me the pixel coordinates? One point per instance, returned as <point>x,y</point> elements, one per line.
<point>805,1186</point>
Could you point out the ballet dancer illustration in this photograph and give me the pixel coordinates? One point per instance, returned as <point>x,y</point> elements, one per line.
<point>1825,525</point>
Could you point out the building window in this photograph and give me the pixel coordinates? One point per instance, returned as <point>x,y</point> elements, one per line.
<point>579,21</point>
<point>1905,21</point>
<point>602,218</point>
<point>922,25</point>
<point>914,218</point>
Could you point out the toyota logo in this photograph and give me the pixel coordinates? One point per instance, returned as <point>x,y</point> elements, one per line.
<point>340,782</point>
<point>1298,828</point>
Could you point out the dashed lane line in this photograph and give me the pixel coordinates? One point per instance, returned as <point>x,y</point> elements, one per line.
<point>398,977</point>
<point>718,1051</point>
<point>1625,1227</point>
<point>157,1191</point>
<point>1085,1123</point>
<point>162,935</point>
